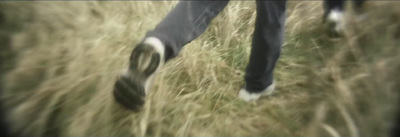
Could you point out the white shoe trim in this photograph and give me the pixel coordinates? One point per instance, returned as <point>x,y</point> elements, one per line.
<point>157,44</point>
<point>336,17</point>
<point>247,96</point>
<point>160,48</point>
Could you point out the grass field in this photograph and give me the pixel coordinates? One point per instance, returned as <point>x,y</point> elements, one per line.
<point>59,62</point>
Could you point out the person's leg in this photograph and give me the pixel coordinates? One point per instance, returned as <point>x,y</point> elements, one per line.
<point>266,48</point>
<point>184,23</point>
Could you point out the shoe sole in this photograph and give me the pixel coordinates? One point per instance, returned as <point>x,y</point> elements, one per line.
<point>129,89</point>
<point>267,92</point>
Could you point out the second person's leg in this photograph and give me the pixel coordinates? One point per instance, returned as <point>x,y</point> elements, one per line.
<point>333,16</point>
<point>333,5</point>
<point>266,48</point>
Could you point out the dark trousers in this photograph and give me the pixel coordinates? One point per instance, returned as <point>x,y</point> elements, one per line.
<point>189,19</point>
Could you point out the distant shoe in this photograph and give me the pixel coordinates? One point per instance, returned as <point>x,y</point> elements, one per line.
<point>335,22</point>
<point>248,96</point>
<point>134,84</point>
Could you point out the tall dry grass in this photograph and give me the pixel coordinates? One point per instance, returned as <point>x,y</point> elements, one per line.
<point>59,61</point>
